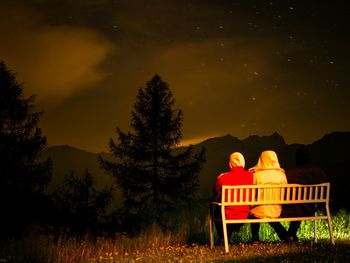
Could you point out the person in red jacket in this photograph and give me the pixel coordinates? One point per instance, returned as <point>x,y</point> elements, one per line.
<point>236,176</point>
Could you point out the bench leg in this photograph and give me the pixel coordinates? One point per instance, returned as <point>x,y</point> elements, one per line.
<point>315,227</point>
<point>211,234</point>
<point>224,226</point>
<point>315,230</point>
<point>330,227</point>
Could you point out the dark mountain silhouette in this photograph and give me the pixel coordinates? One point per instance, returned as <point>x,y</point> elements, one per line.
<point>329,153</point>
<point>219,149</point>
<point>67,159</point>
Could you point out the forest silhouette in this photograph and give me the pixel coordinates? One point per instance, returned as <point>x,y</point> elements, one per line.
<point>156,183</point>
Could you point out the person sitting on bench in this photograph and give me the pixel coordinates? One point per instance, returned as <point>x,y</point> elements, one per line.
<point>304,173</point>
<point>268,171</point>
<point>236,176</point>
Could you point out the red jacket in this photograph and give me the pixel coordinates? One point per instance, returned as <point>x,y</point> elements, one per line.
<point>237,176</point>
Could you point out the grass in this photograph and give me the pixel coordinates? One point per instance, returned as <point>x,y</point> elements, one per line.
<point>155,246</point>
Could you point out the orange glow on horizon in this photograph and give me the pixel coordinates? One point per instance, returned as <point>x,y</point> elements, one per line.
<point>196,140</point>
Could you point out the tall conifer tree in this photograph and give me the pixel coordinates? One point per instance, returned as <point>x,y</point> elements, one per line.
<point>154,180</point>
<point>23,176</point>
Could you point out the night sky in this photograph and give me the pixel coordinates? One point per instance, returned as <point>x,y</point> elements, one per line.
<point>234,67</point>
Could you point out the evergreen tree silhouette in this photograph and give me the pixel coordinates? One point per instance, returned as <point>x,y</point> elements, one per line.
<point>23,176</point>
<point>80,205</point>
<point>155,181</point>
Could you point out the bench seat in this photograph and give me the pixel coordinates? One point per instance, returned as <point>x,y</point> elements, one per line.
<point>284,194</point>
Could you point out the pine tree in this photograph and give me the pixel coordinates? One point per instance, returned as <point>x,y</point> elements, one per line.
<point>23,176</point>
<point>79,204</point>
<point>154,179</point>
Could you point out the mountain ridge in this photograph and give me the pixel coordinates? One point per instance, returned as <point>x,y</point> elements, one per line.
<point>329,153</point>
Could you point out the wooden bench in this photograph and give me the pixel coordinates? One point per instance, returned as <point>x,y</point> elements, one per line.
<point>286,194</point>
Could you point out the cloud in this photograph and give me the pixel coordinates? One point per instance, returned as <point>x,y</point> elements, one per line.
<point>52,61</point>
<point>221,84</point>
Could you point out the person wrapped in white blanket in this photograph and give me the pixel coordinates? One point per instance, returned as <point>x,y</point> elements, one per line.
<point>267,171</point>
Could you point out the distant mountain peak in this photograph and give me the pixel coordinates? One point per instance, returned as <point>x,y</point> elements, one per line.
<point>276,138</point>
<point>65,147</point>
<point>223,139</point>
<point>336,134</point>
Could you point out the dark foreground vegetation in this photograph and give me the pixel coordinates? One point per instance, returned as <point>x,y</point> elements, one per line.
<point>106,251</point>
<point>189,244</point>
<point>71,250</point>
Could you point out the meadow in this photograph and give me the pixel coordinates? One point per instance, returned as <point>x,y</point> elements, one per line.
<point>190,244</point>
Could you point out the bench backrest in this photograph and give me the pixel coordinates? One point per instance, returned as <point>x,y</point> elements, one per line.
<point>275,194</point>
